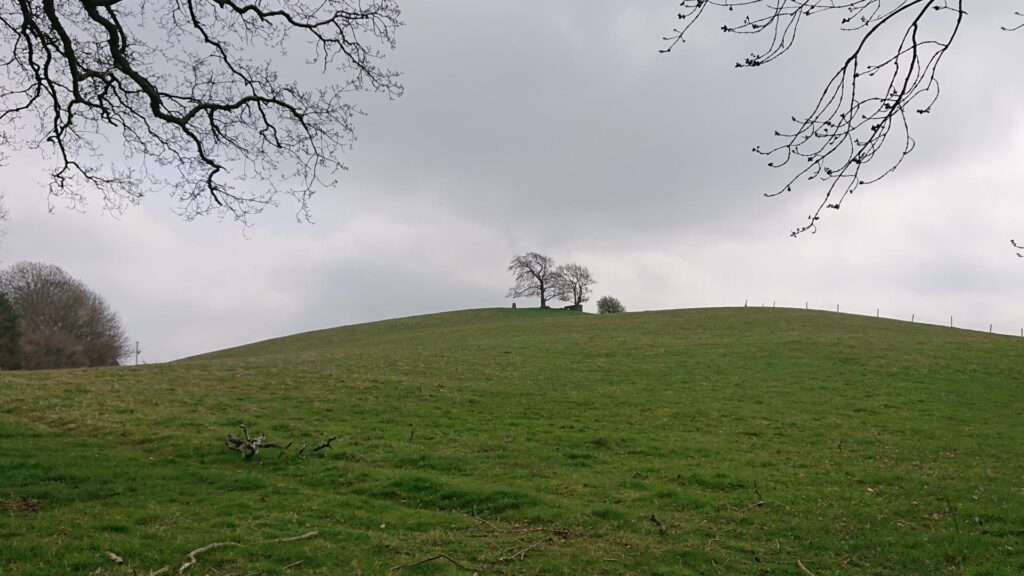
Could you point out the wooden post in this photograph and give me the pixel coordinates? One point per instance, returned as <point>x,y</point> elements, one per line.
<point>989,328</point>
<point>877,312</point>
<point>950,321</point>
<point>837,307</point>
<point>911,318</point>
<point>136,352</point>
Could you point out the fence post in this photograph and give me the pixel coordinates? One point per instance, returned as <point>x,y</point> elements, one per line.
<point>837,307</point>
<point>950,321</point>
<point>877,312</point>
<point>912,318</point>
<point>989,328</point>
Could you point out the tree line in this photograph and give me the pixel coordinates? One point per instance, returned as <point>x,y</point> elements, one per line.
<point>536,274</point>
<point>49,319</point>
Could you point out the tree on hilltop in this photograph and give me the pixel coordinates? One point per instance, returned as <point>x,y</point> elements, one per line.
<point>609,305</point>
<point>534,275</point>
<point>191,97</point>
<point>573,283</point>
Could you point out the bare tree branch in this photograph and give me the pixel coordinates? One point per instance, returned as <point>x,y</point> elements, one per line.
<point>189,97</point>
<point>858,131</point>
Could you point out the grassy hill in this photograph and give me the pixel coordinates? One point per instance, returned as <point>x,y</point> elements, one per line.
<point>722,441</point>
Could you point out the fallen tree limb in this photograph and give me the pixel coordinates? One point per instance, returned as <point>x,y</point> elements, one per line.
<point>433,558</point>
<point>249,446</point>
<point>803,568</point>
<point>192,555</point>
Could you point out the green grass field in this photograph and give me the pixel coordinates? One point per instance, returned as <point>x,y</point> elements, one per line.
<point>721,441</point>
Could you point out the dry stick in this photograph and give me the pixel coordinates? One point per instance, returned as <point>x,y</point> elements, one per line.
<point>803,568</point>
<point>192,555</point>
<point>300,537</point>
<point>325,444</point>
<point>293,564</point>
<point>482,521</point>
<point>431,559</point>
<point>522,553</point>
<point>161,571</point>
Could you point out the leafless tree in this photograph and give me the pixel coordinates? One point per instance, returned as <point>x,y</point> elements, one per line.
<point>63,324</point>
<point>858,131</point>
<point>573,283</point>
<point>191,97</point>
<point>535,275</point>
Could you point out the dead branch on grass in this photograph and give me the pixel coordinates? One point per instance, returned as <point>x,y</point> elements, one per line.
<point>192,555</point>
<point>325,444</point>
<point>521,553</point>
<point>803,568</point>
<point>300,537</point>
<point>249,446</point>
<point>454,562</point>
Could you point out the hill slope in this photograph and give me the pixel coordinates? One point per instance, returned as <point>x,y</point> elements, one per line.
<point>724,441</point>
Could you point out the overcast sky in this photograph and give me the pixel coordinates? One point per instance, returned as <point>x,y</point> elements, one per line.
<point>557,127</point>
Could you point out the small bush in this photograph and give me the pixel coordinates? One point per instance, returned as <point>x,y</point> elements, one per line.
<point>609,305</point>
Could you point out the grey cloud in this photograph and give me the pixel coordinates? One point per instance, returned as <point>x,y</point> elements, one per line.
<point>557,127</point>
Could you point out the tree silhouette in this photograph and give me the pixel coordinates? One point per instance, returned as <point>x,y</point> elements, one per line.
<point>535,275</point>
<point>191,97</point>
<point>858,131</point>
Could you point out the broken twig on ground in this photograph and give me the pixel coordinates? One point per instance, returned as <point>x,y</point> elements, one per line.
<point>433,558</point>
<point>192,555</point>
<point>299,537</point>
<point>325,444</point>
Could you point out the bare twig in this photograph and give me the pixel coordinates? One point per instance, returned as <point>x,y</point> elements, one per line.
<point>522,552</point>
<point>305,536</point>
<point>192,555</point>
<point>891,74</point>
<point>454,562</point>
<point>325,444</point>
<point>803,568</point>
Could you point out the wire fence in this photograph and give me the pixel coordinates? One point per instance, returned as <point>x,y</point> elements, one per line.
<point>912,318</point>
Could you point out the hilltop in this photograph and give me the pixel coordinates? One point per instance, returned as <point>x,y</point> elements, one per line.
<point>715,441</point>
